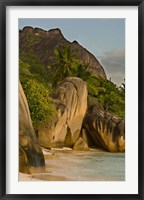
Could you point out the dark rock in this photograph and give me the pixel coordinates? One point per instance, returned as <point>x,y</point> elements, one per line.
<point>48,41</point>
<point>107,130</point>
<point>30,153</point>
<point>87,138</point>
<point>88,58</point>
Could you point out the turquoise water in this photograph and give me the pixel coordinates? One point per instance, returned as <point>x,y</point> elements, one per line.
<point>88,166</point>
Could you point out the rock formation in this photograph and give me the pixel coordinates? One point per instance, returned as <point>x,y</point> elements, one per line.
<point>106,130</point>
<point>70,100</point>
<point>30,154</point>
<point>80,145</point>
<point>71,126</point>
<point>87,138</point>
<point>42,43</point>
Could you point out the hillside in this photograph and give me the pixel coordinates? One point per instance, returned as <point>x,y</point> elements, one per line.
<point>36,42</point>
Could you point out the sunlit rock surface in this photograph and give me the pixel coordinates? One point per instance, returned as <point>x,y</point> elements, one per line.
<point>70,100</point>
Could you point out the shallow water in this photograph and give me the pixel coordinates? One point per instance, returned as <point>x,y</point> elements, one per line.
<point>87,166</point>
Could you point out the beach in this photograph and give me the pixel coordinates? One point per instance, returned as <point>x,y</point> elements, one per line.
<point>68,165</point>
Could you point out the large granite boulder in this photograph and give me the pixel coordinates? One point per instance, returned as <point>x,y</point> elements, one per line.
<point>30,154</point>
<point>53,134</point>
<point>106,130</point>
<point>70,100</point>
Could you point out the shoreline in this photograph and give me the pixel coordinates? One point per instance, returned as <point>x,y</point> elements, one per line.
<point>52,157</point>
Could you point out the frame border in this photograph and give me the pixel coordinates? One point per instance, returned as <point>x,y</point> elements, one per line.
<point>3,5</point>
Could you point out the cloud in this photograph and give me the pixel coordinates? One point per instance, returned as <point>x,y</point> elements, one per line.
<point>113,63</point>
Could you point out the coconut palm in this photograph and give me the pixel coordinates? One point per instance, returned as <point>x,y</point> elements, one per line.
<point>64,63</point>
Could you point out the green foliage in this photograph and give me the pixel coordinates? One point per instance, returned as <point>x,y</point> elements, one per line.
<point>94,86</point>
<point>103,91</point>
<point>32,56</point>
<point>37,94</point>
<point>107,94</point>
<point>36,67</point>
<point>64,64</point>
<point>82,72</point>
<point>122,89</point>
<point>24,68</point>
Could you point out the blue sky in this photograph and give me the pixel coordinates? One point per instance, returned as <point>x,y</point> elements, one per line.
<point>105,38</point>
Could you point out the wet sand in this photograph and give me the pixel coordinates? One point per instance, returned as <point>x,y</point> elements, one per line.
<point>40,177</point>
<point>52,158</point>
<point>45,175</point>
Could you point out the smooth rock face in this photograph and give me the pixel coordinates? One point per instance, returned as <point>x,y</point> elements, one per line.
<point>70,100</point>
<point>106,130</point>
<point>88,58</point>
<point>54,133</point>
<point>80,145</point>
<point>54,39</point>
<point>30,153</point>
<point>75,99</point>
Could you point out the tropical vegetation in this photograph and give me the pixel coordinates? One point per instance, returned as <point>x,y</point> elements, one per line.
<point>39,81</point>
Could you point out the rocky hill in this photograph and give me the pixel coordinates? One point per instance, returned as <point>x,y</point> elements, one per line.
<point>42,43</point>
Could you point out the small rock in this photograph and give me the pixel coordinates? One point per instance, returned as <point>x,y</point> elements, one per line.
<point>80,145</point>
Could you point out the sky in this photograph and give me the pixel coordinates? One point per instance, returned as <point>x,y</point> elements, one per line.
<point>104,38</point>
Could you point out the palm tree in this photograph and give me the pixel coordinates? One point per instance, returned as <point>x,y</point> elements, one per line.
<point>64,63</point>
<point>82,71</point>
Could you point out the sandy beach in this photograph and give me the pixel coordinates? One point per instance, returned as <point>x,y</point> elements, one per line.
<point>56,160</point>
<point>40,177</point>
<point>46,175</point>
